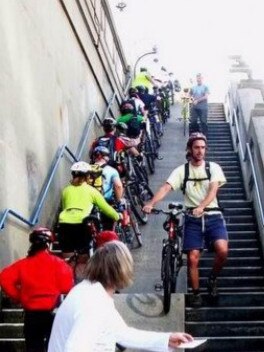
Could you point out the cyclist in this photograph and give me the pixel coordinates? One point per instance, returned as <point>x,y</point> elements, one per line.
<point>136,101</point>
<point>78,200</point>
<point>148,99</point>
<point>199,111</point>
<point>205,222</point>
<point>134,123</point>
<point>112,185</point>
<point>36,282</point>
<point>109,140</point>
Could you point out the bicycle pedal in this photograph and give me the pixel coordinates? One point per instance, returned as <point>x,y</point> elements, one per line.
<point>158,287</point>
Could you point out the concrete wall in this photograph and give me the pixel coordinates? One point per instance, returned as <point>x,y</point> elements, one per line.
<point>53,75</point>
<point>246,98</point>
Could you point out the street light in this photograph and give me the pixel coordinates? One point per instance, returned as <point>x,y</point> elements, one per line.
<point>154,51</point>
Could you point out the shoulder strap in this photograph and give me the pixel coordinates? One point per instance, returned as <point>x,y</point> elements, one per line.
<point>207,170</point>
<point>186,177</point>
<point>187,172</point>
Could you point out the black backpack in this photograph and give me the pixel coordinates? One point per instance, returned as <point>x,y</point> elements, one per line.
<point>134,127</point>
<point>108,142</point>
<point>187,172</point>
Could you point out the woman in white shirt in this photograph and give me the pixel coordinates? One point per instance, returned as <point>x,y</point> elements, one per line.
<point>87,320</point>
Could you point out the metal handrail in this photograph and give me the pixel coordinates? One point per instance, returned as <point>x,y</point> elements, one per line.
<point>245,156</point>
<point>249,155</point>
<point>54,166</point>
<point>239,140</point>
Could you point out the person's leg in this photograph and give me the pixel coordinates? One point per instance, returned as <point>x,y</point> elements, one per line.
<point>216,234</point>
<point>203,120</point>
<point>33,332</point>
<point>193,258</point>
<point>192,245</point>
<point>194,127</point>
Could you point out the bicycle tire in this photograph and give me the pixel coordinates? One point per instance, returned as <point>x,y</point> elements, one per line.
<point>136,203</point>
<point>120,232</point>
<point>145,192</point>
<point>150,156</point>
<point>167,278</point>
<point>141,173</point>
<point>136,230</point>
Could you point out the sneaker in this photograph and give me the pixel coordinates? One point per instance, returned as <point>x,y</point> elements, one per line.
<point>212,287</point>
<point>196,301</point>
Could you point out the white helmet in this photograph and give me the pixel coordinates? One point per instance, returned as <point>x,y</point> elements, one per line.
<point>81,166</point>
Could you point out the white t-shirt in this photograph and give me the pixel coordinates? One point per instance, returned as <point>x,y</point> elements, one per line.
<point>87,321</point>
<point>196,191</point>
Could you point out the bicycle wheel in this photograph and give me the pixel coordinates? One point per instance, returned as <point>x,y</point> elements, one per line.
<point>136,203</point>
<point>167,278</point>
<point>120,232</point>
<point>150,155</point>
<point>135,229</point>
<point>141,172</point>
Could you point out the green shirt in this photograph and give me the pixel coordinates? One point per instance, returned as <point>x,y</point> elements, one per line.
<point>126,118</point>
<point>78,201</point>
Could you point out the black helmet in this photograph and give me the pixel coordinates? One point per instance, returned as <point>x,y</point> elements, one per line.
<point>122,127</point>
<point>109,121</point>
<point>127,108</point>
<point>141,89</point>
<point>41,235</point>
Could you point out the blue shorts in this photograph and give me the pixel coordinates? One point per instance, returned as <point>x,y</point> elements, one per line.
<point>200,233</point>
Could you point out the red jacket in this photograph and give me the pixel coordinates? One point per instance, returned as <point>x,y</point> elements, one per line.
<point>37,282</point>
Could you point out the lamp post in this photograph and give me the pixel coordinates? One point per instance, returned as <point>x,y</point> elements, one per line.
<point>154,51</point>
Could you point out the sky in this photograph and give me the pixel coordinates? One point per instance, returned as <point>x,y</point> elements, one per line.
<point>193,36</point>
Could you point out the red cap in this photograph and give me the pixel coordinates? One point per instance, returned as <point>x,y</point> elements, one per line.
<point>106,236</point>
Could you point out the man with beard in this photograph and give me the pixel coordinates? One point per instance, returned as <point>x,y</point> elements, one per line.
<point>204,223</point>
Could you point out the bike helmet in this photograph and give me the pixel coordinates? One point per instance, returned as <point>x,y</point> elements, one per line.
<point>194,137</point>
<point>41,235</point>
<point>101,150</point>
<point>126,108</point>
<point>122,127</point>
<point>106,236</point>
<point>109,122</point>
<point>141,89</point>
<point>80,167</point>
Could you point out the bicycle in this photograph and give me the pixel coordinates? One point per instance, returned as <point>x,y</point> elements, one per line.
<point>185,113</point>
<point>171,260</point>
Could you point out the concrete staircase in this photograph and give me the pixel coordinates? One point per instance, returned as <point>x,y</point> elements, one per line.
<point>235,321</point>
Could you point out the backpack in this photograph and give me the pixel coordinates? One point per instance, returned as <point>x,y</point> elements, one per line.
<point>95,177</point>
<point>187,172</point>
<point>134,127</point>
<point>108,142</point>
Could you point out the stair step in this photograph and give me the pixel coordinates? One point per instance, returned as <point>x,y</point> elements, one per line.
<point>224,314</point>
<point>235,281</point>
<point>234,261</point>
<point>238,218</point>
<point>234,271</point>
<point>11,330</point>
<point>236,212</point>
<point>234,203</point>
<point>12,345</point>
<point>233,344</point>
<point>241,226</point>
<point>226,328</point>
<point>240,252</point>
<point>12,315</point>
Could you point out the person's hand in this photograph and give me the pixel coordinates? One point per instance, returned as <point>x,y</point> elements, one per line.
<point>120,216</point>
<point>147,208</point>
<point>198,212</point>
<point>177,338</point>
<point>194,102</point>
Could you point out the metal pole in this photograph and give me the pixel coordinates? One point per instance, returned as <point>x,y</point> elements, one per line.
<point>135,67</point>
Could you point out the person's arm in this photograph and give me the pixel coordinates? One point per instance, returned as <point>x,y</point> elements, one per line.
<point>10,283</point>
<point>212,192</point>
<point>147,340</point>
<point>103,206</point>
<point>64,276</point>
<point>162,192</point>
<point>118,188</point>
